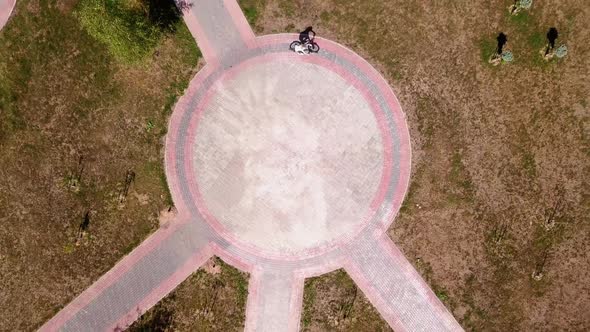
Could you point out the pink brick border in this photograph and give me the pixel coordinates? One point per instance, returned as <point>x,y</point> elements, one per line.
<point>240,22</point>
<point>295,303</point>
<point>253,300</point>
<point>207,49</point>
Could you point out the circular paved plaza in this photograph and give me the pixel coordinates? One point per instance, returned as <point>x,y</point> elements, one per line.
<point>289,156</point>
<point>285,166</point>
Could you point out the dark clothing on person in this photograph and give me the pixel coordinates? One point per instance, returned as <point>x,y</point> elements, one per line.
<point>305,37</point>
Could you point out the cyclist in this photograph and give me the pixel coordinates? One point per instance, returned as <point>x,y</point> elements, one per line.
<point>305,44</point>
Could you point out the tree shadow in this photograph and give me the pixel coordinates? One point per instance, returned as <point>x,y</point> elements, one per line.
<point>502,40</point>
<point>552,35</point>
<point>165,14</point>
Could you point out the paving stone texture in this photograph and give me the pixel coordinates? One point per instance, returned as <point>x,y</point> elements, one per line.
<point>286,166</point>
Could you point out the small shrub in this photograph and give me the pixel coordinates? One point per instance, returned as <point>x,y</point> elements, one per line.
<point>525,4</point>
<point>561,51</point>
<point>520,5</point>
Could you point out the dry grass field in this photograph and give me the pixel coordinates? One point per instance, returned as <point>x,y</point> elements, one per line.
<point>496,219</point>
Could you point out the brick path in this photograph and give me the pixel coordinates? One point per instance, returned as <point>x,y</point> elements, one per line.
<point>347,156</point>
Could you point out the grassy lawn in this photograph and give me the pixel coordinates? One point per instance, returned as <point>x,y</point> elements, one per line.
<point>333,302</point>
<point>496,218</point>
<point>78,113</point>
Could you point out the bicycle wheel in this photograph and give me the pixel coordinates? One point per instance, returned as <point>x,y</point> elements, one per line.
<point>293,44</point>
<point>313,47</point>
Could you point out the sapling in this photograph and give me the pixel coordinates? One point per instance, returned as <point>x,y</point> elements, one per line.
<point>520,5</point>
<point>561,51</point>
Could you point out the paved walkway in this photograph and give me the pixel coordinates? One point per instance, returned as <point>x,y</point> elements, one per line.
<point>285,166</point>
<point>6,7</point>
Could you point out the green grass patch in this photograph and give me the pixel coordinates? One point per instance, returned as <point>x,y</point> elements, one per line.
<point>308,302</point>
<point>153,175</point>
<point>252,10</point>
<point>523,21</point>
<point>442,294</point>
<point>238,279</point>
<point>121,26</point>
<point>27,47</point>
<point>251,14</point>
<point>537,40</point>
<point>487,47</point>
<point>130,29</point>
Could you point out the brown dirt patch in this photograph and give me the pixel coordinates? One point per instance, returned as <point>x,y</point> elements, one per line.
<point>212,299</point>
<point>333,302</point>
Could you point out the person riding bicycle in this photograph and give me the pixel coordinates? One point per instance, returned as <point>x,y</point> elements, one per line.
<point>307,35</point>
<point>306,44</point>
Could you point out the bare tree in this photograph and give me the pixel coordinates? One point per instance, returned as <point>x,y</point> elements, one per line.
<point>75,179</point>
<point>540,265</point>
<point>129,179</point>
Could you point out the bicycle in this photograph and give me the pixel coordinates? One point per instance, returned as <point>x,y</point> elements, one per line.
<point>305,45</point>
